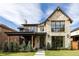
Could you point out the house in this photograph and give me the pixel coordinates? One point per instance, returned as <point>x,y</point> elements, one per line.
<point>75,38</point>
<point>53,33</point>
<point>4,37</point>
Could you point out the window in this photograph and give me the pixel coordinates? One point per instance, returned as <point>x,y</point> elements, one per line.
<point>57,41</point>
<point>42,28</point>
<point>33,29</point>
<point>30,29</point>
<point>57,26</point>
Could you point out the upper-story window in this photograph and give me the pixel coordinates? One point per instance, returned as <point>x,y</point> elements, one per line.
<point>42,28</point>
<point>30,29</point>
<point>57,26</point>
<point>33,29</point>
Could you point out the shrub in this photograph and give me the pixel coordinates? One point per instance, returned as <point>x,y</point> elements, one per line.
<point>22,46</point>
<point>17,47</point>
<point>48,46</point>
<point>1,45</point>
<point>5,48</point>
<point>29,47</point>
<point>13,46</point>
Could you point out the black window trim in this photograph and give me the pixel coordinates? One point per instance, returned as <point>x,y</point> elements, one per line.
<point>59,25</point>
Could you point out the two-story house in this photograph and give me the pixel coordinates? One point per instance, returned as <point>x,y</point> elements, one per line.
<point>53,33</point>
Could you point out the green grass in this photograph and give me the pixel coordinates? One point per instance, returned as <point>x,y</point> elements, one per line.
<point>62,52</point>
<point>17,53</point>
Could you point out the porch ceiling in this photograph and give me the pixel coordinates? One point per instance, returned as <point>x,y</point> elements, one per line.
<point>25,33</point>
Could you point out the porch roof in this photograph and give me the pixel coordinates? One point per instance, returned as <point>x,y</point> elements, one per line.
<point>75,36</point>
<point>25,33</point>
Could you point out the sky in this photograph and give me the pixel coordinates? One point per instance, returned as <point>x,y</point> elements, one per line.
<point>14,15</point>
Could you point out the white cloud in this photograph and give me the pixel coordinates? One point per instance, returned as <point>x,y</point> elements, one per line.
<point>49,12</point>
<point>73,11</point>
<point>18,13</point>
<point>32,12</point>
<point>9,12</point>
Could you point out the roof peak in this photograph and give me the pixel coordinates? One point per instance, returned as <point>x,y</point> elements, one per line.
<point>58,8</point>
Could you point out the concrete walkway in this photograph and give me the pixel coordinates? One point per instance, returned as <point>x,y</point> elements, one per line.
<point>40,53</point>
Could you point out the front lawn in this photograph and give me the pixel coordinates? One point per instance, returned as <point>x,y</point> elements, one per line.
<point>62,52</point>
<point>17,53</point>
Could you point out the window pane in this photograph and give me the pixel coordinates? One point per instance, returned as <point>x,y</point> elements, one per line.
<point>53,25</point>
<point>62,24</point>
<point>41,28</point>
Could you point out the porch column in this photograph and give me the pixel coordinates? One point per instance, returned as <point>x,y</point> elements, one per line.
<point>32,41</point>
<point>8,41</point>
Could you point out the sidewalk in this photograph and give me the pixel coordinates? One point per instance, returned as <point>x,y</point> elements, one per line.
<point>40,53</point>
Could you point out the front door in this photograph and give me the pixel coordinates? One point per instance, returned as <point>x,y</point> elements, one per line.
<point>42,42</point>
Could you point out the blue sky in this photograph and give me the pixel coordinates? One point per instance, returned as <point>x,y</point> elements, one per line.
<point>13,15</point>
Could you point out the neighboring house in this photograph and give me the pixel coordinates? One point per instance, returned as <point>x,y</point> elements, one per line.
<point>4,37</point>
<point>53,33</point>
<point>75,38</point>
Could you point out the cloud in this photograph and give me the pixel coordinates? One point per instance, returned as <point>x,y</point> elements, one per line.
<point>19,13</point>
<point>51,8</point>
<point>73,11</point>
<point>33,12</point>
<point>49,12</point>
<point>8,11</point>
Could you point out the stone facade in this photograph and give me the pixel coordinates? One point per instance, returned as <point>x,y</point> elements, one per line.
<point>59,16</point>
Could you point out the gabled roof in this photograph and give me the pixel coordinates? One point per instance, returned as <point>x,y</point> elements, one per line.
<point>6,27</point>
<point>58,8</point>
<point>75,29</point>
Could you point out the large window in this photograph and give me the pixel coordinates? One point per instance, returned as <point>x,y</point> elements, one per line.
<point>57,26</point>
<point>57,41</point>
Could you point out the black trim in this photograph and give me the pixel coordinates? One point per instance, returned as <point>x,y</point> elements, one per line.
<point>30,24</point>
<point>25,33</point>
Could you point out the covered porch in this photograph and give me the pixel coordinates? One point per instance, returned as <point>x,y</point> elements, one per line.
<point>35,39</point>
